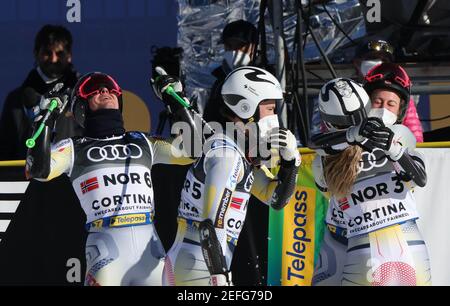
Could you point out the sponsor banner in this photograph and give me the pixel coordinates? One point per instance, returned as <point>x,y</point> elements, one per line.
<point>298,238</point>
<point>296,231</point>
<point>122,221</point>
<point>127,220</point>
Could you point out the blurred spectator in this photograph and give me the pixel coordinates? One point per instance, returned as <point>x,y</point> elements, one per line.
<point>240,39</point>
<point>373,54</point>
<point>53,57</point>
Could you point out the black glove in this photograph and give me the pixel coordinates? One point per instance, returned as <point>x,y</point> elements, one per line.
<point>377,134</point>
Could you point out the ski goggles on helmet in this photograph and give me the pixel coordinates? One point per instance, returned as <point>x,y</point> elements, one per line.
<point>94,83</point>
<point>380,45</point>
<point>404,82</point>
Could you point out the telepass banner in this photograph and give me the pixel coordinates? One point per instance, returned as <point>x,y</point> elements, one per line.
<point>296,231</point>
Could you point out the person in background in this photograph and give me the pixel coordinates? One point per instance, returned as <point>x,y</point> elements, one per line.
<point>377,52</point>
<point>240,39</point>
<point>53,57</point>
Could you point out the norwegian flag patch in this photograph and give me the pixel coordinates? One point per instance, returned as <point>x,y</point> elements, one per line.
<point>343,203</point>
<point>236,203</point>
<point>89,185</point>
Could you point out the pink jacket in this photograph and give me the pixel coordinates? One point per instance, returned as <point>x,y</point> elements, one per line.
<point>412,121</point>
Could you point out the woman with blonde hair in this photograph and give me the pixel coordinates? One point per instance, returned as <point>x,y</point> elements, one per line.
<point>368,166</point>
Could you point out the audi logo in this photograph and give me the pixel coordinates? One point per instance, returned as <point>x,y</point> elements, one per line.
<point>374,159</point>
<point>114,152</point>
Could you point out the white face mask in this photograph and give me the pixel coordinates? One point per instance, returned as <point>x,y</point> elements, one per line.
<point>236,58</point>
<point>367,65</point>
<point>259,134</point>
<point>388,117</point>
<point>266,124</point>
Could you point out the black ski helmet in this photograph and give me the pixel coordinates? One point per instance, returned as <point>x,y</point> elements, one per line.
<point>87,86</point>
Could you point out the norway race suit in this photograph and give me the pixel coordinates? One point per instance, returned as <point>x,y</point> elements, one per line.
<point>217,187</point>
<point>373,238</point>
<point>112,180</point>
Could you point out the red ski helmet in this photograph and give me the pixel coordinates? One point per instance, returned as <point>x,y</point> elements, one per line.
<point>393,77</point>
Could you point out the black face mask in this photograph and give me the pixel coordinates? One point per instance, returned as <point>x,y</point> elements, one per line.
<point>54,70</point>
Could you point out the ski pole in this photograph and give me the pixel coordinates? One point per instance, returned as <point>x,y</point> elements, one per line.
<point>31,142</point>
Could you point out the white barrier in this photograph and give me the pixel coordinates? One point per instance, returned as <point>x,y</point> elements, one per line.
<point>433,203</point>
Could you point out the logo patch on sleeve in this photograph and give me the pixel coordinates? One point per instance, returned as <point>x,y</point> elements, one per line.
<point>221,212</point>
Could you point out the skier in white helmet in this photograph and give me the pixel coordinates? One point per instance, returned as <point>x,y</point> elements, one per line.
<point>368,165</point>
<point>218,186</point>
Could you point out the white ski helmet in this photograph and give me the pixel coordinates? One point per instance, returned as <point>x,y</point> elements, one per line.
<point>343,103</point>
<point>245,87</point>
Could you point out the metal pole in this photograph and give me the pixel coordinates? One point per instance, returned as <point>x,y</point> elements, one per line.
<point>324,56</point>
<point>280,67</point>
<point>319,47</point>
<point>305,116</point>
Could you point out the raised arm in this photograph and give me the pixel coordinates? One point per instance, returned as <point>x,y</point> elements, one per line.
<point>43,161</point>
